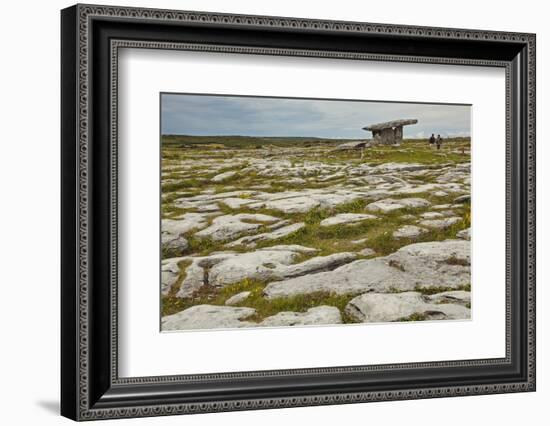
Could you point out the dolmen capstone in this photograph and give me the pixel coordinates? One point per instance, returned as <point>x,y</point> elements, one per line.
<point>390,132</point>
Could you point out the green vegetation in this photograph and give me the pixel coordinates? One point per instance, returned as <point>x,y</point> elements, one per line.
<point>236,141</point>
<point>264,307</point>
<point>190,162</point>
<point>252,142</point>
<point>339,238</point>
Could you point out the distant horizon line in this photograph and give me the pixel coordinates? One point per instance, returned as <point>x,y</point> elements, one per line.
<point>289,137</point>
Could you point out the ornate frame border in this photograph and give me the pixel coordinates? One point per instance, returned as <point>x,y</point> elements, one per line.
<point>84,14</point>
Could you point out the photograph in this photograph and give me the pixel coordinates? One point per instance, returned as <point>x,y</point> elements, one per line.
<point>280,212</point>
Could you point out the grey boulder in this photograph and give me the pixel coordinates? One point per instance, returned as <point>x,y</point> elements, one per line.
<point>271,263</point>
<point>385,307</point>
<point>169,273</point>
<point>389,204</point>
<point>207,317</point>
<point>251,240</point>
<point>457,296</point>
<point>440,223</point>
<point>409,231</point>
<point>172,229</point>
<point>238,298</point>
<point>346,219</point>
<point>367,252</point>
<point>313,316</point>
<point>231,226</point>
<point>429,264</point>
<point>223,176</point>
<point>268,265</point>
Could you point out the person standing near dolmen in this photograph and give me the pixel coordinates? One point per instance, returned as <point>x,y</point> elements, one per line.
<point>438,141</point>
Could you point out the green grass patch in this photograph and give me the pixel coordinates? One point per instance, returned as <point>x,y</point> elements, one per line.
<point>264,307</point>
<point>177,285</point>
<point>184,184</point>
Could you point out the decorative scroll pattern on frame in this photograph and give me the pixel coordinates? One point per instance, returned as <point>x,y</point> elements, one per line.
<point>86,12</point>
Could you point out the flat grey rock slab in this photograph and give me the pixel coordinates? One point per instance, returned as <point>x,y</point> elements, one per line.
<point>447,213</point>
<point>399,167</point>
<point>289,205</point>
<point>196,274</point>
<point>454,175</point>
<point>292,247</point>
<point>237,203</point>
<point>296,181</point>
<point>172,229</point>
<point>367,252</point>
<point>414,203</point>
<point>431,215</point>
<point>430,187</point>
<point>456,296</point>
<point>270,263</point>
<point>318,264</point>
<point>305,200</point>
<point>320,315</point>
<point>273,167</point>
<point>429,264</point>
<point>387,307</point>
<point>284,195</point>
<point>169,273</point>
<point>332,176</point>
<point>207,317</point>
<point>238,298</point>
<point>209,197</point>
<point>346,219</point>
<point>465,234</point>
<point>257,265</point>
<point>331,198</point>
<point>409,231</point>
<point>231,226</point>
<point>251,240</point>
<point>209,207</point>
<point>279,224</point>
<point>440,223</point>
<point>223,176</point>
<point>174,243</point>
<point>390,204</point>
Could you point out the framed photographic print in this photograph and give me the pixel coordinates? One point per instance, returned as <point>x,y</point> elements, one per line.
<point>263,212</point>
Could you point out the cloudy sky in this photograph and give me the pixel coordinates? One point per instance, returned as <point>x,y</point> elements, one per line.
<point>208,115</point>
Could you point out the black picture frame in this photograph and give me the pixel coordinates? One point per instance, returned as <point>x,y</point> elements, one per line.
<point>90,386</point>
